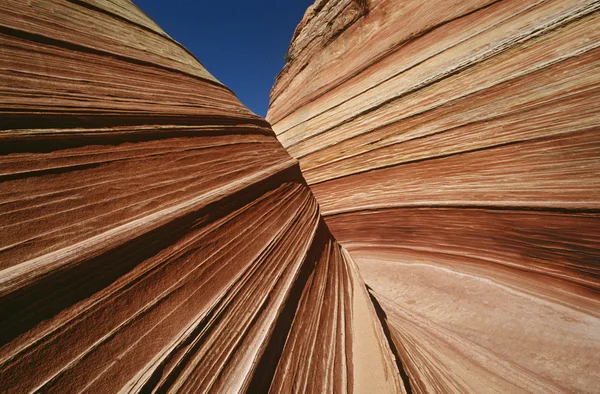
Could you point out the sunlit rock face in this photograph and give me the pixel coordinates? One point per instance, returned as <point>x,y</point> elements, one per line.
<point>154,234</point>
<point>454,149</point>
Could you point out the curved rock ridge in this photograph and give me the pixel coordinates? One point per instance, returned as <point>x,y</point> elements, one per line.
<point>154,234</point>
<point>454,149</point>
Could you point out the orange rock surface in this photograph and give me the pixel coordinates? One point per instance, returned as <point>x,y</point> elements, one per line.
<point>454,149</point>
<point>154,234</point>
<point>157,237</point>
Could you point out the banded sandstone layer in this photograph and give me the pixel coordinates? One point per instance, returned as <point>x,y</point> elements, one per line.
<point>154,234</point>
<point>454,149</point>
<point>156,237</point>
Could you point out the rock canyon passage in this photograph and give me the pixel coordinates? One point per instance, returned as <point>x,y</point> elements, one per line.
<point>418,213</point>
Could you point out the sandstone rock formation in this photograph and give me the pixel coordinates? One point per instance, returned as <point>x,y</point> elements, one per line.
<point>155,236</point>
<point>454,149</point>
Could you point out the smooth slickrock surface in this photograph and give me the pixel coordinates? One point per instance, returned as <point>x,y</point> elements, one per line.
<point>454,149</point>
<point>154,234</point>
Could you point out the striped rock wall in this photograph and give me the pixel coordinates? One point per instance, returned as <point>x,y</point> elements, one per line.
<point>154,234</point>
<point>454,149</point>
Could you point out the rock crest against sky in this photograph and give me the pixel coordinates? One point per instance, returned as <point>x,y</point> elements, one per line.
<point>242,42</point>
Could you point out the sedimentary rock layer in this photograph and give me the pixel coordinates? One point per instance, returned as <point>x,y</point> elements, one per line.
<point>454,149</point>
<point>154,234</point>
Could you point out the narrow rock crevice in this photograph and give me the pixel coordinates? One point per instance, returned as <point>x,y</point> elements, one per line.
<point>386,330</point>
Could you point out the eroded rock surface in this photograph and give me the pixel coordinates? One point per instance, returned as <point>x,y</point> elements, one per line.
<point>154,234</point>
<point>454,149</point>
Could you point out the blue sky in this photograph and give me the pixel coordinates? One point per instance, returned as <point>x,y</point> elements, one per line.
<point>241,42</point>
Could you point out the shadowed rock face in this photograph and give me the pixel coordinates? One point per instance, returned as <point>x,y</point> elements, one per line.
<point>155,236</point>
<point>454,149</point>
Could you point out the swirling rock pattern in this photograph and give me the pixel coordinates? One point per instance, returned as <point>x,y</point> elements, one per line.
<point>454,149</point>
<point>154,234</point>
